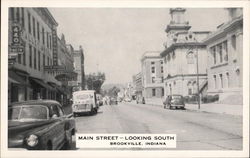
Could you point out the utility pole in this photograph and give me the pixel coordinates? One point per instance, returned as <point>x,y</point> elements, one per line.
<point>197,67</point>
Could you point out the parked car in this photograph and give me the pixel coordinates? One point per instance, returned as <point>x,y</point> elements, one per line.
<point>127,99</point>
<point>85,102</point>
<point>39,125</point>
<point>113,101</point>
<point>174,101</point>
<point>140,100</point>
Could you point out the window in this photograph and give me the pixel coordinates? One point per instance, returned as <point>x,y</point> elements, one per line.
<point>228,82</point>
<point>225,50</point>
<point>17,15</point>
<point>38,31</point>
<point>215,82</point>
<point>221,81</point>
<point>189,91</point>
<point>43,35</point>
<point>153,79</point>
<point>161,62</point>
<point>153,69</point>
<point>23,20</point>
<point>43,60</point>
<point>190,58</point>
<point>48,61</point>
<point>162,79</point>
<point>19,58</point>
<point>50,45</point>
<point>161,69</point>
<point>39,66</point>
<point>162,92</point>
<point>29,23</point>
<point>213,52</point>
<point>30,55</point>
<point>153,92</point>
<point>152,62</point>
<point>233,38</point>
<point>220,52</point>
<point>11,13</point>
<point>47,40</point>
<point>34,58</point>
<point>34,27</point>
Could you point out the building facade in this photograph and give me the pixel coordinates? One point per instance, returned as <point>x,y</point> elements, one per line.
<point>34,53</point>
<point>225,52</point>
<point>152,75</point>
<point>35,37</point>
<point>79,69</point>
<point>137,82</point>
<point>185,57</point>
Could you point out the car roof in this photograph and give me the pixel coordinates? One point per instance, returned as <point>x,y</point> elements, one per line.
<point>85,91</point>
<point>36,102</point>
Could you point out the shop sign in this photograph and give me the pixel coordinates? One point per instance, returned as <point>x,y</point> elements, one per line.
<point>16,44</point>
<point>55,53</point>
<point>54,68</point>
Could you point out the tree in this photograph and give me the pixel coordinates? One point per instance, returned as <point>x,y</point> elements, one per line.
<point>94,81</point>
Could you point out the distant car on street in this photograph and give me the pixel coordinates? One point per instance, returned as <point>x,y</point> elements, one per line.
<point>85,102</point>
<point>127,99</point>
<point>113,101</point>
<point>39,125</point>
<point>140,100</point>
<point>174,102</point>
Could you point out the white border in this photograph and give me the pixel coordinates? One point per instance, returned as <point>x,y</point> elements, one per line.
<point>122,4</point>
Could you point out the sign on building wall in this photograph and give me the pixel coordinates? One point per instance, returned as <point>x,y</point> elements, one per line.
<point>16,43</point>
<point>55,53</point>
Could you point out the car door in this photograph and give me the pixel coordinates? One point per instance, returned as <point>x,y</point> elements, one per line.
<point>58,129</point>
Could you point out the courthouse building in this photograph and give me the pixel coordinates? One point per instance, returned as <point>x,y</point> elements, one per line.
<point>184,57</point>
<point>33,56</point>
<point>225,62</point>
<point>152,75</point>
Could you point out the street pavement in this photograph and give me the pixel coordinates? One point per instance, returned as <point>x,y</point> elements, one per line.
<point>194,130</point>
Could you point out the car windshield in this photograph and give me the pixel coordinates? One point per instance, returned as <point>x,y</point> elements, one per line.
<point>28,112</point>
<point>176,97</point>
<point>82,96</point>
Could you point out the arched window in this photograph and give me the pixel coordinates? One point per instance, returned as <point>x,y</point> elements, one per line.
<point>190,58</point>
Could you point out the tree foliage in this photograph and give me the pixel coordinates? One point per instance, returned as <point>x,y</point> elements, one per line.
<point>94,81</point>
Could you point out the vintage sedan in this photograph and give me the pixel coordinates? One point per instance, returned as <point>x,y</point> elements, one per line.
<point>39,125</point>
<point>174,101</point>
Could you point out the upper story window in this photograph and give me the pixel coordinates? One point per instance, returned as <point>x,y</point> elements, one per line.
<point>225,50</point>
<point>190,58</point>
<point>153,69</point>
<point>233,42</point>
<point>23,18</point>
<point>17,15</point>
<point>43,35</point>
<point>220,52</point>
<point>29,23</point>
<point>162,69</point>
<point>153,79</point>
<point>34,27</point>
<point>152,62</point>
<point>38,31</point>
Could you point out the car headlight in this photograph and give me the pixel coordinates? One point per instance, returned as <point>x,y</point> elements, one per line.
<point>32,140</point>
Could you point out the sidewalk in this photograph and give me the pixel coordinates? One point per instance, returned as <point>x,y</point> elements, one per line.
<point>217,108</point>
<point>210,108</point>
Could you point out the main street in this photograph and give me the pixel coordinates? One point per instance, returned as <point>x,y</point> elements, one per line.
<point>194,130</point>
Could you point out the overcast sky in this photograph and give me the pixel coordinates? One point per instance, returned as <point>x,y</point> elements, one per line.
<point>114,39</point>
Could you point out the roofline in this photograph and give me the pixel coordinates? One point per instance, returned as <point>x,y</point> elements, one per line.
<point>50,16</point>
<point>175,45</point>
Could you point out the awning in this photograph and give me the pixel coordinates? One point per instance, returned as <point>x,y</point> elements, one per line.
<point>58,88</point>
<point>42,84</point>
<point>15,78</point>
